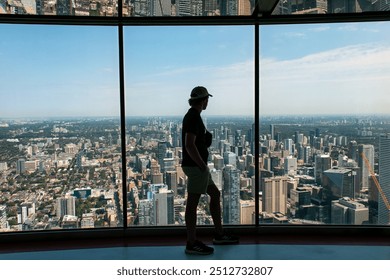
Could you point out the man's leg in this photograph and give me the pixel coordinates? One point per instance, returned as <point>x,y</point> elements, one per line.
<point>191,217</point>
<point>215,207</point>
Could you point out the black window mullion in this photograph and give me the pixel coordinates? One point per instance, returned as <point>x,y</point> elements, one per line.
<point>123,122</point>
<point>257,120</point>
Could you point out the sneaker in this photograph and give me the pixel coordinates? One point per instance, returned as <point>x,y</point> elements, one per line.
<point>198,248</point>
<point>225,239</point>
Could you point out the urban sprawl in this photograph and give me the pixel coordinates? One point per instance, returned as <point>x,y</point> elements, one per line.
<point>67,173</point>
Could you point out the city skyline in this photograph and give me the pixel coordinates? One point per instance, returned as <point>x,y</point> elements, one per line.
<point>346,66</point>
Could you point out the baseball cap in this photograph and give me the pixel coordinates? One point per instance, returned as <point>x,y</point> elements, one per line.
<point>199,92</point>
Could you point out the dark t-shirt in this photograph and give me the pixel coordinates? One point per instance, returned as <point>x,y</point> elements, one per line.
<point>192,123</point>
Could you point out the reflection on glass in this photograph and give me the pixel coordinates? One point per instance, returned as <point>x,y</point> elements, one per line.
<point>180,8</point>
<point>142,8</point>
<point>60,7</point>
<point>163,64</point>
<point>60,159</point>
<point>301,7</point>
<point>324,120</point>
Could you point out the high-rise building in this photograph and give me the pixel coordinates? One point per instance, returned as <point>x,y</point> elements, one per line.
<point>307,154</point>
<point>348,212</point>
<point>171,181</point>
<point>350,6</point>
<point>384,179</point>
<point>368,152</point>
<point>301,202</point>
<point>301,7</point>
<point>66,206</point>
<point>247,212</point>
<point>188,7</point>
<point>231,195</point>
<point>229,7</point>
<point>290,165</point>
<point>65,7</point>
<point>244,7</point>
<point>382,5</point>
<point>353,150</point>
<point>272,131</point>
<point>163,207</point>
<point>229,158</point>
<point>288,146</point>
<point>145,212</point>
<point>211,8</point>
<point>162,8</point>
<point>3,217</point>
<point>322,162</point>
<point>21,166</point>
<point>143,7</point>
<point>216,175</point>
<point>162,148</point>
<point>275,194</point>
<point>340,182</point>
<point>218,161</point>
<point>169,164</point>
<point>156,176</point>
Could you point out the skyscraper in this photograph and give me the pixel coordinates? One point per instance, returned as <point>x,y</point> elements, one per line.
<point>210,7</point>
<point>272,131</point>
<point>20,166</point>
<point>163,207</point>
<point>162,149</point>
<point>322,162</point>
<point>3,217</point>
<point>351,6</point>
<point>348,212</point>
<point>171,180</point>
<point>340,182</point>
<point>244,7</point>
<point>231,195</point>
<point>368,151</point>
<point>290,165</point>
<point>229,158</point>
<point>162,8</point>
<point>288,146</point>
<point>66,206</point>
<point>275,194</point>
<point>384,179</point>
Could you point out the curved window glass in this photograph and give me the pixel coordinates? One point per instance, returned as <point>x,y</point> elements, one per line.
<point>163,64</point>
<point>60,157</point>
<point>324,115</point>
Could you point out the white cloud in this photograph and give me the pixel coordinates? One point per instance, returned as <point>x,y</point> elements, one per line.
<point>350,78</point>
<point>294,34</point>
<point>321,28</point>
<point>167,93</point>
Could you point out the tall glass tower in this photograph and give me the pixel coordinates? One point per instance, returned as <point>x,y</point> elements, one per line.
<point>368,151</point>
<point>231,195</point>
<point>384,179</point>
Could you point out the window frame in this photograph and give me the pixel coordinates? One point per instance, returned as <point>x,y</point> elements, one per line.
<point>256,20</point>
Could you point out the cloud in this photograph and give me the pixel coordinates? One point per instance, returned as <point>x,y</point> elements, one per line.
<point>355,76</point>
<point>294,35</point>
<point>349,27</point>
<point>166,93</point>
<point>320,28</point>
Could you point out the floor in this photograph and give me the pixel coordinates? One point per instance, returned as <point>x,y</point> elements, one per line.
<point>231,252</point>
<point>321,248</point>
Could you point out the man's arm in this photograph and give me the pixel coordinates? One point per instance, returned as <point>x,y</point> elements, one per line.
<point>193,151</point>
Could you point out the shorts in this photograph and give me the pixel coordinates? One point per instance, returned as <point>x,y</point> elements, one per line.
<point>198,181</point>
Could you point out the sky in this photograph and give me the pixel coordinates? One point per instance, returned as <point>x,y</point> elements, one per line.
<point>65,71</point>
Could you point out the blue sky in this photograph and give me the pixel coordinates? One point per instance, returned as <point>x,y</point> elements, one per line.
<point>305,69</point>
